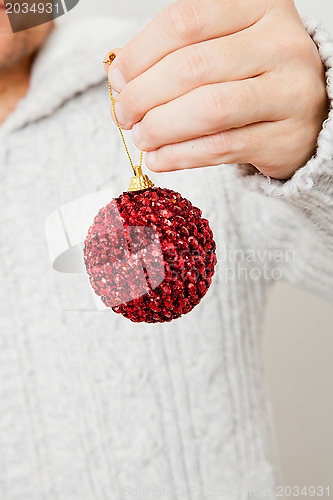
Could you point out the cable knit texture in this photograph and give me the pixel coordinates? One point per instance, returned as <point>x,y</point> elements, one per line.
<point>91,405</point>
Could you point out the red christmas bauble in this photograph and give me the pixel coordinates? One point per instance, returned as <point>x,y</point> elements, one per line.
<point>150,255</point>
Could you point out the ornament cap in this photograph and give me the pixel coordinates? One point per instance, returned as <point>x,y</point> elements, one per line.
<point>139,181</point>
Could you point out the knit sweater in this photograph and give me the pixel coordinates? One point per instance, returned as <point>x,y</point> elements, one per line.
<point>93,406</point>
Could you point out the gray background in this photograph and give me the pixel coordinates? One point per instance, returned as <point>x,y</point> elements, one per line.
<point>298,325</point>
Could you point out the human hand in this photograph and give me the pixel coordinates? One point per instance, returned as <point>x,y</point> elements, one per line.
<point>211,81</point>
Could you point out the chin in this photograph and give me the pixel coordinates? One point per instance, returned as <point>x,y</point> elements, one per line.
<point>5,54</point>
<point>4,23</point>
<point>6,43</point>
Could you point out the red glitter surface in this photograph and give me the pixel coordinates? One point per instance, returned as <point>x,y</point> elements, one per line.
<point>150,255</point>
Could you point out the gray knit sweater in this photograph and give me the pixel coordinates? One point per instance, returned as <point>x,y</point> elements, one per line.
<point>92,406</point>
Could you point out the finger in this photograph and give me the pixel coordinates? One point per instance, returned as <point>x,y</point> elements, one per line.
<point>208,110</point>
<point>261,144</point>
<point>233,57</point>
<point>182,23</point>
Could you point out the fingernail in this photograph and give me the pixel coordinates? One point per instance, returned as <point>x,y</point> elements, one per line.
<point>119,113</point>
<point>150,159</point>
<point>136,133</point>
<point>117,79</point>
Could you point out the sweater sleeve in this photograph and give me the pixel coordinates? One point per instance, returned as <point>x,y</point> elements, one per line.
<point>306,199</point>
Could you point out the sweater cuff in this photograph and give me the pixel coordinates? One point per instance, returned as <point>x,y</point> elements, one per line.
<point>317,173</point>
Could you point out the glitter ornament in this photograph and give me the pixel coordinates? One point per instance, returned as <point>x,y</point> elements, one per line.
<point>149,253</point>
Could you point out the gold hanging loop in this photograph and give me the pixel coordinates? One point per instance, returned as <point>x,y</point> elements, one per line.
<point>139,181</point>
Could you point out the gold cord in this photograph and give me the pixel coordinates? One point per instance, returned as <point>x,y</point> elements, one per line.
<point>111,57</point>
